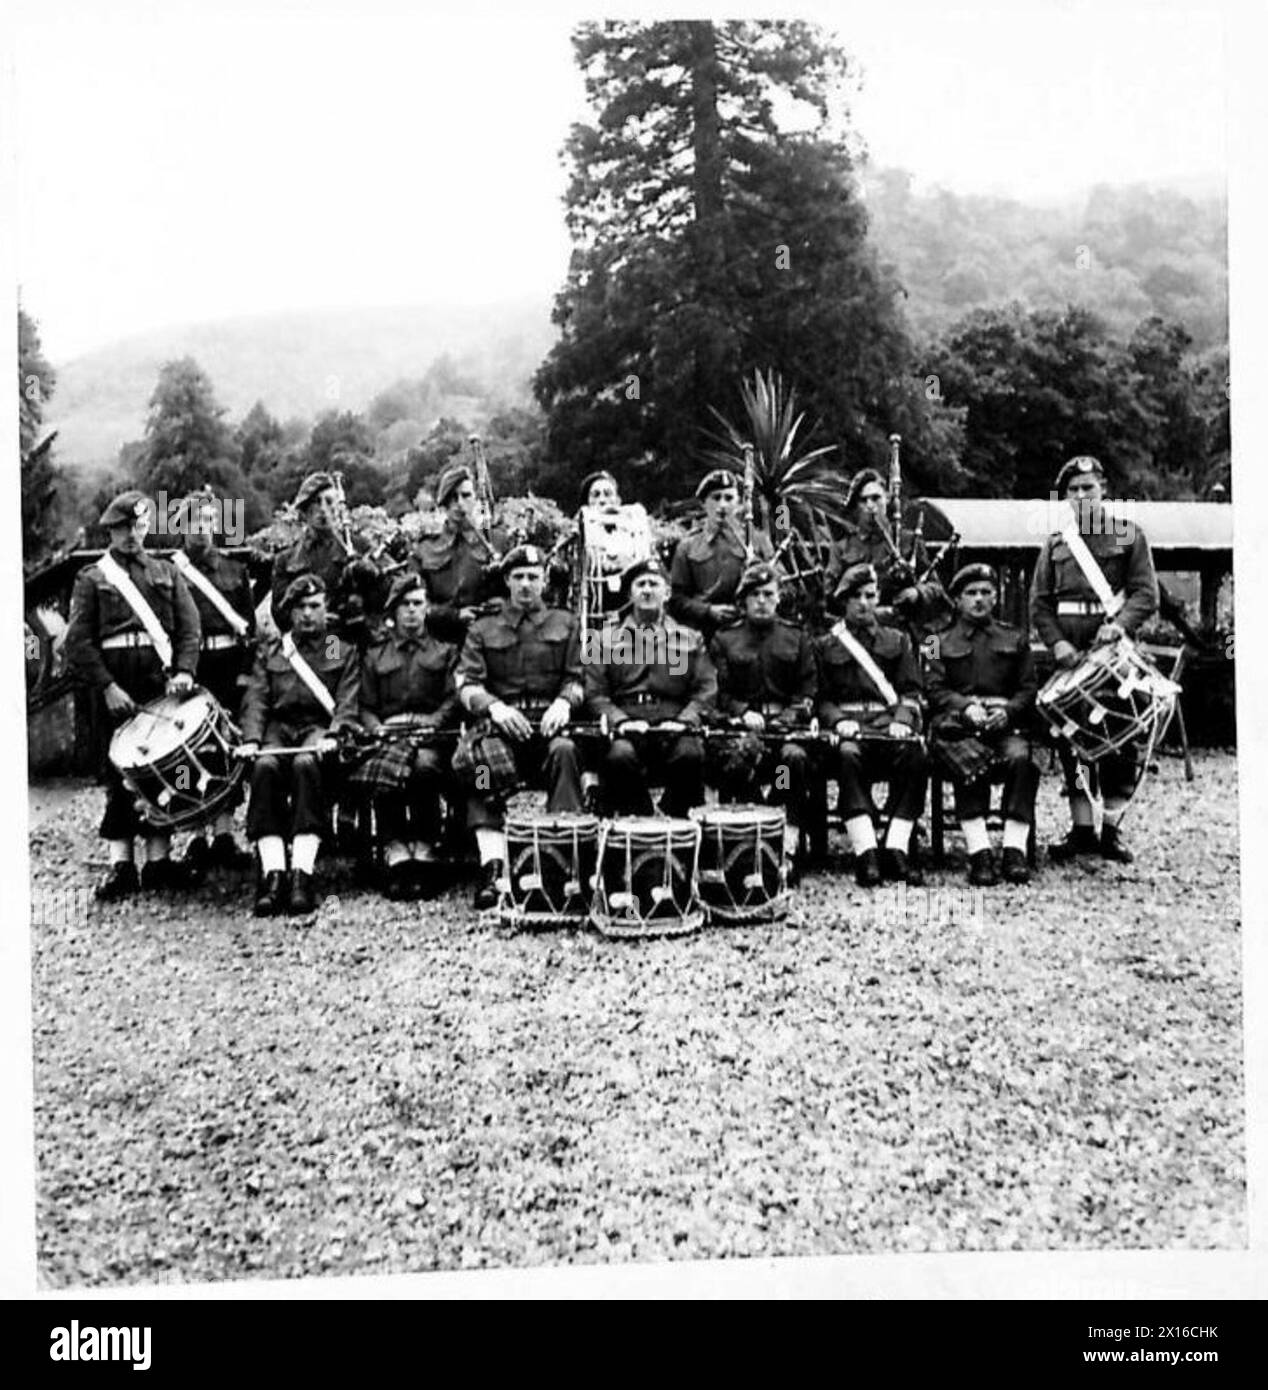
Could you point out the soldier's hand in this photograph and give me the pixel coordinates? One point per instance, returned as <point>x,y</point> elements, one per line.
<point>556,718</point>
<point>246,750</point>
<point>975,714</point>
<point>847,728</point>
<point>1109,632</point>
<point>632,726</point>
<point>897,730</point>
<point>509,720</point>
<point>1066,654</point>
<point>400,721</point>
<point>906,597</point>
<point>118,701</point>
<point>753,720</point>
<point>180,683</point>
<point>671,726</point>
<point>325,744</point>
<point>996,718</point>
<point>469,614</point>
<point>723,613</point>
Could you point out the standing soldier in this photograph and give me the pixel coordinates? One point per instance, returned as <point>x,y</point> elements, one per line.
<point>982,686</point>
<point>1094,582</point>
<point>133,634</point>
<point>708,563</point>
<point>600,490</point>
<point>906,600</point>
<point>302,692</point>
<point>221,590</point>
<point>870,698</point>
<point>767,682</point>
<point>653,682</point>
<point>459,566</point>
<point>408,698</point>
<point>519,678</point>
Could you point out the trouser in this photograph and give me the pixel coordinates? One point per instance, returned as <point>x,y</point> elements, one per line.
<point>138,671</point>
<point>630,763</point>
<point>903,765</point>
<point>288,797</point>
<point>556,763</point>
<point>414,812</point>
<point>1116,775</point>
<point>1019,774</point>
<point>787,771</point>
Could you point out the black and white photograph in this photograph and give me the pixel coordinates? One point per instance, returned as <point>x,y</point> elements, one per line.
<point>630,664</point>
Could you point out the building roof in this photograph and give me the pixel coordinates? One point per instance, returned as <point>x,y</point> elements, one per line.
<point>1005,523</point>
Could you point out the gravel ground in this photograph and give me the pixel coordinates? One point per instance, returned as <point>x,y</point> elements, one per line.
<point>395,1089</point>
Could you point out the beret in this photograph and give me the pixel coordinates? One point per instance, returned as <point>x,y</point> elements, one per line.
<point>651,565</point>
<point>524,557</point>
<point>125,508</point>
<point>971,574</point>
<point>856,578</point>
<point>300,588</point>
<point>402,585</point>
<point>755,575</point>
<point>858,482</point>
<point>589,481</point>
<point>1082,464</point>
<point>715,481</point>
<point>312,486</point>
<point>451,479</point>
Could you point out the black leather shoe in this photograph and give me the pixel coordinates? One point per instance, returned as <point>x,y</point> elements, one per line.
<point>225,854</point>
<point>1014,867</point>
<point>161,874</point>
<point>982,869</point>
<point>399,887</point>
<point>796,870</point>
<point>1113,848</point>
<point>426,880</point>
<point>120,882</point>
<point>1080,840</point>
<point>487,892</point>
<point>867,869</point>
<point>896,867</point>
<point>303,895</point>
<point>196,861</point>
<point>271,896</point>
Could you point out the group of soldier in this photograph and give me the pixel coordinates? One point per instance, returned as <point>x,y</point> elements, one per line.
<point>457,681</point>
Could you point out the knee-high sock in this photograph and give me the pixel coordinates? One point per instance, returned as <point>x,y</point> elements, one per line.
<point>304,853</point>
<point>157,847</point>
<point>491,844</point>
<point>223,824</point>
<point>394,853</point>
<point>1016,835</point>
<point>862,835</point>
<point>120,851</point>
<point>272,851</point>
<point>899,833</point>
<point>975,836</point>
<point>792,840</point>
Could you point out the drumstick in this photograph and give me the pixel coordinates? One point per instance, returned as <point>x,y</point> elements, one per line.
<point>277,751</point>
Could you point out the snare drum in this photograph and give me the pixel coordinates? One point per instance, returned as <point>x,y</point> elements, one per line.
<point>742,867</point>
<point>550,862</point>
<point>176,756</point>
<point>1115,699</point>
<point>646,880</point>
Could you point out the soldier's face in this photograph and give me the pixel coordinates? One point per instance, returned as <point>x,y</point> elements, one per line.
<point>861,605</point>
<point>130,537</point>
<point>526,585</point>
<point>411,613</point>
<point>603,493</point>
<point>202,526</point>
<point>1084,492</point>
<point>977,599</point>
<point>323,511</point>
<point>309,614</point>
<point>723,503</point>
<point>872,502</point>
<point>462,504</point>
<point>760,603</point>
<point>649,594</point>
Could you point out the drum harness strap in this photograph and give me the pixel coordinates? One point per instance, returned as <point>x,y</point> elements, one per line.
<point>306,673</point>
<point>117,576</point>
<point>209,591</point>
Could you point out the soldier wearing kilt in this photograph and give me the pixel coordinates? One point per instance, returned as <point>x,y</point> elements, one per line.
<point>708,563</point>
<point>767,682</point>
<point>217,583</point>
<point>112,651</point>
<point>869,697</point>
<point>407,699</point>
<point>981,684</point>
<point>652,681</point>
<point>1069,616</point>
<point>302,693</point>
<point>460,565</point>
<point>519,680</point>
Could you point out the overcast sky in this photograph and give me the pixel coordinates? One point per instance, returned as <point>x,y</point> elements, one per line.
<point>180,162</point>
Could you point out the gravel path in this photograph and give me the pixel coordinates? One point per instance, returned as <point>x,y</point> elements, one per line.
<point>396,1088</point>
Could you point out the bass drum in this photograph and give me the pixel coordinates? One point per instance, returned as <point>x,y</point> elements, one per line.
<point>612,541</point>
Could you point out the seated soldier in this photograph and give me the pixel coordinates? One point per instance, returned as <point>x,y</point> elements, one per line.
<point>302,692</point>
<point>766,683</point>
<point>981,686</point>
<point>407,697</point>
<point>519,680</point>
<point>652,680</point>
<point>870,698</point>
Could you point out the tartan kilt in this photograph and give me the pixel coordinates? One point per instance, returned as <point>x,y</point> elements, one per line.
<point>480,747</point>
<point>735,759</point>
<point>959,754</point>
<point>384,769</point>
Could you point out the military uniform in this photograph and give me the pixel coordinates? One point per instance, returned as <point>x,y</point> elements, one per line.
<point>677,683</point>
<point>706,570</point>
<point>316,552</point>
<point>223,654</point>
<point>526,659</point>
<point>985,660</point>
<point>288,797</point>
<point>459,569</point>
<point>408,676</point>
<point>107,644</point>
<point>863,543</point>
<point>768,669</point>
<point>846,691</point>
